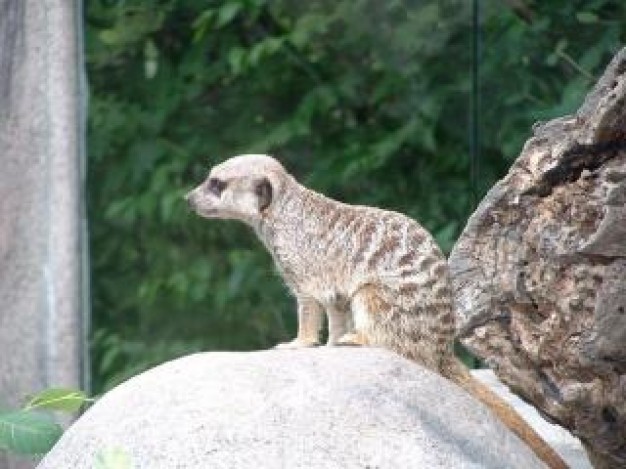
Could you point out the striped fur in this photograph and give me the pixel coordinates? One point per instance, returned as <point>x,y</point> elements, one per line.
<point>351,257</point>
<point>378,275</point>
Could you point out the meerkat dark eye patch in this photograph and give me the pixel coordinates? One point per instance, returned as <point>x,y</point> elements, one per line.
<point>216,186</point>
<point>263,191</point>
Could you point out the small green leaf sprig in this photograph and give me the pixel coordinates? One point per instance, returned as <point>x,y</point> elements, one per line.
<point>31,430</point>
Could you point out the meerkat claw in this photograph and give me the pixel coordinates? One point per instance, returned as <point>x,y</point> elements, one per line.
<point>351,339</point>
<point>295,344</point>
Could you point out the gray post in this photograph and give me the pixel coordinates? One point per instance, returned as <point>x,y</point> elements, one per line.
<point>43,287</point>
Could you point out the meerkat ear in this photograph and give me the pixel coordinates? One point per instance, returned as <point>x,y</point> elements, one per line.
<point>264,192</point>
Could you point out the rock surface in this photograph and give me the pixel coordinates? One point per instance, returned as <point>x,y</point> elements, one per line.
<point>327,407</point>
<point>539,271</point>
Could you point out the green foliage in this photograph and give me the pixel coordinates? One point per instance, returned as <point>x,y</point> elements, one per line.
<point>364,100</point>
<point>113,458</point>
<point>26,432</point>
<point>29,431</point>
<point>60,399</point>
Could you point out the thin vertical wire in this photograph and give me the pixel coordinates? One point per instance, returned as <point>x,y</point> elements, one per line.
<point>474,137</point>
<point>474,116</point>
<point>81,122</point>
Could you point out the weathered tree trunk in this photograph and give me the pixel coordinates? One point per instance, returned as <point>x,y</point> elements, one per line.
<point>540,272</point>
<point>42,312</point>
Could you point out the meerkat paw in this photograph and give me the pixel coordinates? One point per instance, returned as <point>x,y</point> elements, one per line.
<point>296,343</point>
<point>352,339</point>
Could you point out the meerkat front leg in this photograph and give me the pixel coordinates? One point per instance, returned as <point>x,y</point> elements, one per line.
<point>310,316</point>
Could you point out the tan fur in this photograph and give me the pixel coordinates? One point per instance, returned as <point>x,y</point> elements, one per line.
<point>378,275</point>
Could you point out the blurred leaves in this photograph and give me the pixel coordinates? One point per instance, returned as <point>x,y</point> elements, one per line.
<point>32,430</point>
<point>364,100</point>
<point>28,433</point>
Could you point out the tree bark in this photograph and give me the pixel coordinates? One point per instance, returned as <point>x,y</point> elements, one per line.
<point>540,271</point>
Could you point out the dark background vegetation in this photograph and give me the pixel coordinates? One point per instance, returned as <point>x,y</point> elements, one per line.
<point>367,101</point>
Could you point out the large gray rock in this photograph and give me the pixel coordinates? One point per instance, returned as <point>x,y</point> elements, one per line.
<point>314,408</point>
<point>42,255</point>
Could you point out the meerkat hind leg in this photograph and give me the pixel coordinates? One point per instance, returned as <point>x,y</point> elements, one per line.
<point>310,315</point>
<point>365,302</point>
<point>339,324</point>
<point>351,337</point>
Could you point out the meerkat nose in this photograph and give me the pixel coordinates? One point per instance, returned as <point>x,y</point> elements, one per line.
<point>190,200</point>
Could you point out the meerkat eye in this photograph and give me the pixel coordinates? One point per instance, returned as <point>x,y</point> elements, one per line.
<point>264,192</point>
<point>216,186</point>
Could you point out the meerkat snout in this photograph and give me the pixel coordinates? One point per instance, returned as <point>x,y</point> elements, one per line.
<point>242,188</point>
<point>190,200</point>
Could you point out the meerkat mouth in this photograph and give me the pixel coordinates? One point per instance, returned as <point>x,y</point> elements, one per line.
<point>208,212</point>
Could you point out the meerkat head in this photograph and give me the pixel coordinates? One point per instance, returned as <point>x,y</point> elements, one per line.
<point>243,188</point>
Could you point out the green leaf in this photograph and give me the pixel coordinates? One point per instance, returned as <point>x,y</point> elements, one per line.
<point>109,36</point>
<point>227,13</point>
<point>113,458</point>
<point>552,60</point>
<point>203,23</point>
<point>237,60</point>
<point>561,45</point>
<point>151,63</point>
<point>586,17</point>
<point>65,400</point>
<point>26,432</point>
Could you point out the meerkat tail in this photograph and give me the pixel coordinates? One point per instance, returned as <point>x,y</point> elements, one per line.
<point>434,350</point>
<point>507,415</point>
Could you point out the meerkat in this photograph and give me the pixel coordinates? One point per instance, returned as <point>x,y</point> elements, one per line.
<point>377,275</point>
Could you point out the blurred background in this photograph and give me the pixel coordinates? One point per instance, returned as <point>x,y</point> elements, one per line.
<point>416,106</point>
